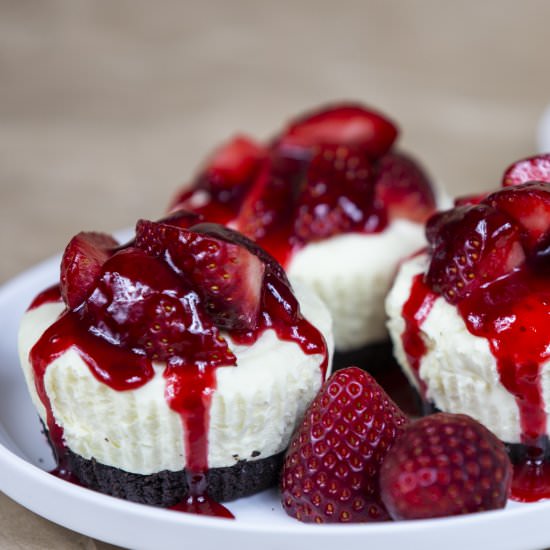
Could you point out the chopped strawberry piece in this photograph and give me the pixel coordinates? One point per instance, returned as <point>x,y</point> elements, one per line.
<point>268,208</point>
<point>218,191</point>
<point>81,265</point>
<point>471,246</point>
<point>227,276</point>
<point>345,124</point>
<point>234,162</point>
<point>141,304</point>
<point>445,465</point>
<point>231,236</point>
<point>528,205</point>
<point>404,188</point>
<point>331,469</point>
<point>336,195</point>
<point>535,168</point>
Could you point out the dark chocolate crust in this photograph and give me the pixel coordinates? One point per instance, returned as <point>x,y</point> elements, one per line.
<point>166,488</point>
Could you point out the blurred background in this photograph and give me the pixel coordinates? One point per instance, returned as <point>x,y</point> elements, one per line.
<point>108,107</point>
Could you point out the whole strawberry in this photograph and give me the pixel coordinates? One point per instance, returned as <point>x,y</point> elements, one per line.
<point>331,469</point>
<point>445,465</point>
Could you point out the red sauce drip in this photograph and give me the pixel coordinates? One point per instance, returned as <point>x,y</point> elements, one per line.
<point>116,367</point>
<point>51,294</point>
<point>198,501</point>
<point>415,311</point>
<point>513,314</point>
<point>281,313</point>
<point>63,471</point>
<point>531,481</point>
<point>189,392</point>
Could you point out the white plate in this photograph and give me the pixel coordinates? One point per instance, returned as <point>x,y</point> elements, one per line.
<point>260,521</point>
<point>543,137</point>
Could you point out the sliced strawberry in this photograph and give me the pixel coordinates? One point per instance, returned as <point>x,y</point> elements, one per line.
<point>528,204</point>
<point>268,208</point>
<point>227,276</point>
<point>404,188</point>
<point>346,124</point>
<point>336,195</point>
<point>81,265</point>
<point>445,465</point>
<point>235,162</point>
<point>231,236</point>
<point>217,192</point>
<point>471,246</point>
<point>331,468</point>
<point>535,168</point>
<point>141,304</point>
<point>278,295</point>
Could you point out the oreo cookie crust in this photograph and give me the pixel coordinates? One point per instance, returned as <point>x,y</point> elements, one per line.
<point>166,488</point>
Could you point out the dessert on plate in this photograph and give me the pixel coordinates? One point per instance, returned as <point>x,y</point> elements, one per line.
<point>469,317</point>
<point>334,201</point>
<point>173,370</point>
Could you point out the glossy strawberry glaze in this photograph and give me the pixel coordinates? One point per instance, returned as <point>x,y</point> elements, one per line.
<point>415,311</point>
<point>270,212</point>
<point>189,388</point>
<point>513,314</point>
<point>295,201</point>
<point>49,295</point>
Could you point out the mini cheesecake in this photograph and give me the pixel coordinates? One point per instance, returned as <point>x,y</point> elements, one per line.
<point>334,201</point>
<point>174,369</point>
<point>469,318</point>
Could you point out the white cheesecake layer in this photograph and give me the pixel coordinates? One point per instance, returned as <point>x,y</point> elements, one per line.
<point>255,408</point>
<point>352,273</point>
<point>459,369</point>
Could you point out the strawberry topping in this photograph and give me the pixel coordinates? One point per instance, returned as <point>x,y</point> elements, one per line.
<point>535,168</point>
<point>81,265</point>
<point>528,205</point>
<point>331,171</point>
<point>234,163</point>
<point>404,188</point>
<point>471,246</point>
<point>346,124</point>
<point>444,465</point>
<point>267,210</point>
<point>227,276</point>
<point>140,303</point>
<point>336,195</point>
<point>220,187</point>
<point>490,236</point>
<point>331,468</point>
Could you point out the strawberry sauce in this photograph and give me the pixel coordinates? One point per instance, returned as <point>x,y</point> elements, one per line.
<point>51,295</point>
<point>513,314</point>
<point>415,312</point>
<point>114,366</point>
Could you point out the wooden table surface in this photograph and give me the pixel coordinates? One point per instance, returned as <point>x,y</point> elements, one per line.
<point>107,107</point>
